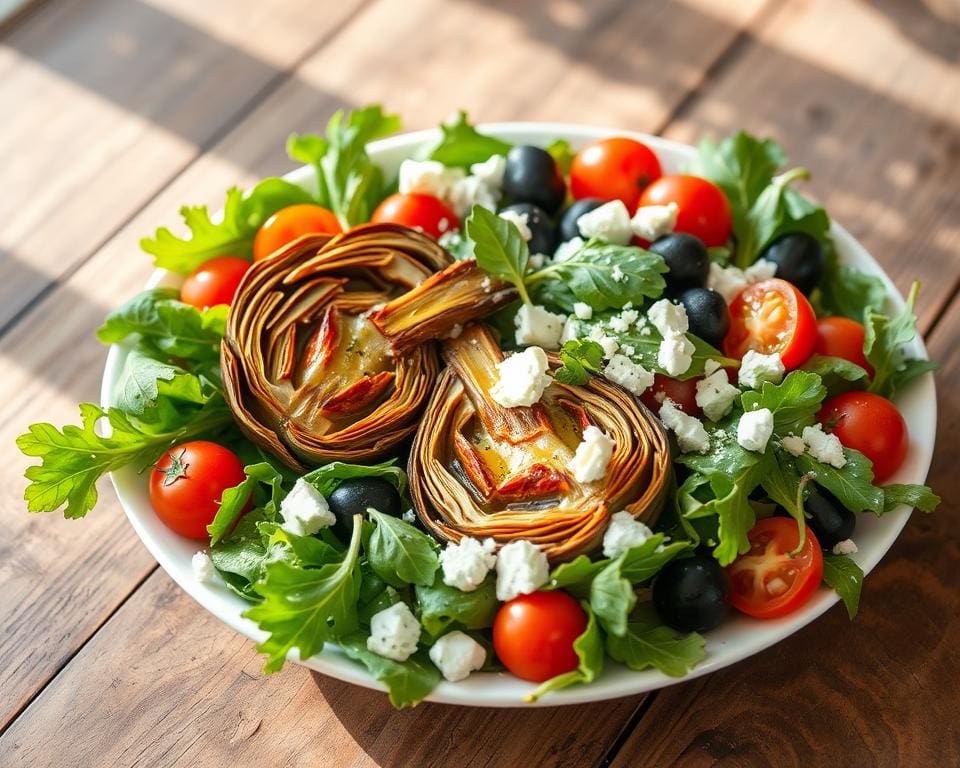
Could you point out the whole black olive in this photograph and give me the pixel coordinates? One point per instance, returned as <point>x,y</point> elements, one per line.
<point>799,259</point>
<point>692,594</point>
<point>568,222</point>
<point>707,314</point>
<point>830,521</point>
<point>687,260</point>
<point>353,497</point>
<point>533,176</point>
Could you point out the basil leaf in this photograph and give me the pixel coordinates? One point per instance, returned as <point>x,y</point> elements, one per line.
<point>646,643</point>
<point>499,248</point>
<point>845,577</point>
<point>589,650</point>
<point>579,358</point>
<point>408,682</point>
<point>852,485</point>
<point>400,554</point>
<point>915,496</point>
<point>462,145</point>
<point>443,607</point>
<point>883,347</point>
<point>326,478</point>
<point>794,402</point>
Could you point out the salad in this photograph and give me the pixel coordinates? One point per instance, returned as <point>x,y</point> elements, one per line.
<point>527,410</point>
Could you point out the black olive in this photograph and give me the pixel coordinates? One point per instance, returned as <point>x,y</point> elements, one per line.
<point>568,222</point>
<point>707,313</point>
<point>799,259</point>
<point>533,176</point>
<point>687,260</point>
<point>692,595</point>
<point>830,521</point>
<point>353,497</point>
<point>543,235</point>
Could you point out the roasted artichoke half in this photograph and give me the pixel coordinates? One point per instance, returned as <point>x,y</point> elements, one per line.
<point>479,469</point>
<point>329,352</point>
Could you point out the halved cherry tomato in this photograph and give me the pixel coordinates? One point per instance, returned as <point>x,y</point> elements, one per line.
<point>870,424</point>
<point>766,581</point>
<point>289,223</point>
<point>617,168</point>
<point>772,316</point>
<point>533,634</point>
<point>842,337</point>
<point>683,393</point>
<point>427,213</point>
<point>186,485</point>
<point>214,282</point>
<point>703,208</point>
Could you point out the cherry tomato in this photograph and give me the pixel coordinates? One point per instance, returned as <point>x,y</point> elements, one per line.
<point>613,169</point>
<point>703,208</point>
<point>289,223</point>
<point>767,582</point>
<point>187,482</point>
<point>533,634</point>
<point>842,337</point>
<point>683,393</point>
<point>772,316</point>
<point>427,213</point>
<point>214,282</point>
<point>870,424</point>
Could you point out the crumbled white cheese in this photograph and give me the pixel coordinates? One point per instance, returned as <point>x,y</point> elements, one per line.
<point>456,655</point>
<point>535,325</point>
<point>582,310</point>
<point>609,222</point>
<point>428,177</point>
<point>521,378</point>
<point>537,260</point>
<point>754,429</point>
<point>630,316</point>
<point>824,446</point>
<point>589,463</point>
<point>793,445</point>
<point>729,281</point>
<point>466,564</point>
<point>675,355</point>
<point>691,435</point>
<point>618,324</point>
<point>567,249</point>
<point>470,191</point>
<point>490,171</point>
<point>715,394</point>
<point>623,533</point>
<point>486,284</point>
<point>668,318</point>
<point>305,511</point>
<point>756,368</point>
<point>845,547</point>
<point>519,220</point>
<point>202,565</point>
<point>394,632</point>
<point>571,330</point>
<point>653,221</point>
<point>409,517</point>
<point>522,568</point>
<point>608,343</point>
<point>629,350</point>
<point>631,376</point>
<point>761,269</point>
<point>711,366</point>
<point>616,274</point>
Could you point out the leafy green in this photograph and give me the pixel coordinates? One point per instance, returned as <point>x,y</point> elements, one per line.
<point>646,643</point>
<point>462,145</point>
<point>499,248</point>
<point>400,554</point>
<point>579,358</point>
<point>845,577</point>
<point>848,291</point>
<point>852,485</point>
<point>408,682</point>
<point>612,598</point>
<point>562,153</point>
<point>589,650</point>
<point>794,402</point>
<point>234,500</point>
<point>348,183</point>
<point>576,576</point>
<point>443,607</point>
<point>144,379</point>
<point>915,496</point>
<point>836,374</point>
<point>326,478</point>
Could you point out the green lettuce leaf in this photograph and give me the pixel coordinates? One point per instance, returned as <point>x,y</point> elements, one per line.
<point>916,496</point>
<point>408,682</point>
<point>646,643</point>
<point>845,577</point>
<point>462,145</point>
<point>443,607</point>
<point>589,650</point>
<point>399,553</point>
<point>794,402</point>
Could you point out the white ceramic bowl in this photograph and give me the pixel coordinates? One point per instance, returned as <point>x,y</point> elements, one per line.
<point>738,638</point>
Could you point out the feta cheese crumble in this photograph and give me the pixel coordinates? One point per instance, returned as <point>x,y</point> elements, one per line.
<point>845,547</point>
<point>824,447</point>
<point>202,565</point>
<point>715,394</point>
<point>567,249</point>
<point>609,222</point>
<point>793,445</point>
<point>691,435</point>
<point>535,325</point>
<point>754,429</point>
<point>653,221</point>
<point>623,533</point>
<point>428,177</point>
<point>589,463</point>
<point>522,568</point>
<point>631,376</point>
<point>490,171</point>
<point>519,220</point>
<point>466,564</point>
<point>582,310</point>
<point>394,632</point>
<point>456,655</point>
<point>729,281</point>
<point>521,378</point>
<point>571,330</point>
<point>409,517</point>
<point>668,318</point>
<point>470,191</point>
<point>675,355</point>
<point>608,343</point>
<point>756,368</point>
<point>305,511</point>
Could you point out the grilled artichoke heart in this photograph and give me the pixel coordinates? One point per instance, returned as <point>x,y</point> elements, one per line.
<point>308,373</point>
<point>479,469</point>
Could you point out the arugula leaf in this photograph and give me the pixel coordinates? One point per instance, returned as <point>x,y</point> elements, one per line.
<point>400,554</point>
<point>646,643</point>
<point>612,598</point>
<point>852,486</point>
<point>462,145</point>
<point>646,347</point>
<point>576,576</point>
<point>443,607</point>
<point>836,374</point>
<point>848,291</point>
<point>845,577</point>
<point>589,650</point>
<point>348,183</point>
<point>786,488</point>
<point>562,153</point>
<point>794,402</point>
<point>234,500</point>
<point>580,358</point>
<point>143,379</point>
<point>304,607</point>
<point>408,682</point>
<point>326,478</point>
<point>499,248</point>
<point>915,496</point>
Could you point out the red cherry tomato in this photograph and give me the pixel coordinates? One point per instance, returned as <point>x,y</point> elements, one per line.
<point>683,394</point>
<point>842,337</point>
<point>613,169</point>
<point>187,482</point>
<point>214,282</point>
<point>533,634</point>
<point>426,213</point>
<point>703,208</point>
<point>289,223</point>
<point>870,424</point>
<point>772,316</point>
<point>766,581</point>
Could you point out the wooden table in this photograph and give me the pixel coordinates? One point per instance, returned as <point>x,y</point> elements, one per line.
<point>115,112</point>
